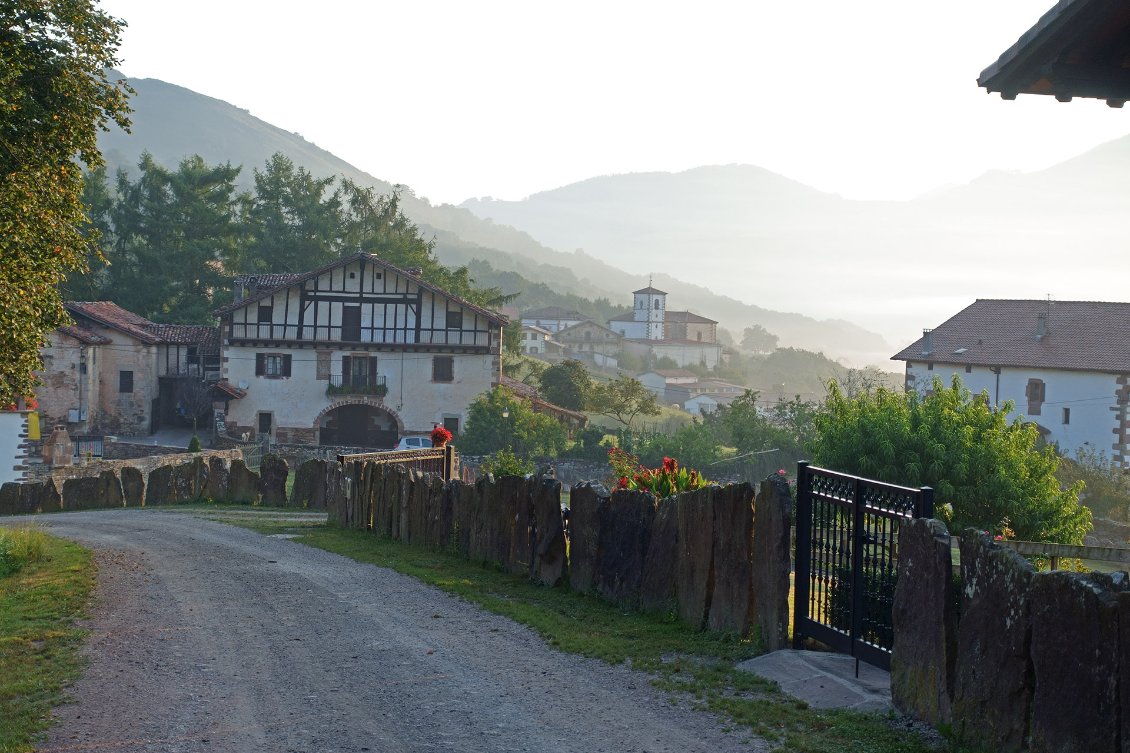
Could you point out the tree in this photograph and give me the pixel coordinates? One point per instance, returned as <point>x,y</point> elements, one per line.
<point>512,340</point>
<point>294,220</point>
<point>55,93</point>
<point>497,420</point>
<point>623,398</point>
<point>757,339</point>
<point>986,473</point>
<point>567,384</point>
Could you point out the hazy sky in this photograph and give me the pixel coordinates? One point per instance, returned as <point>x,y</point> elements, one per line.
<point>872,99</point>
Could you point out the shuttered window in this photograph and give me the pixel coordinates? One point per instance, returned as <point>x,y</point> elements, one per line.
<point>273,365</point>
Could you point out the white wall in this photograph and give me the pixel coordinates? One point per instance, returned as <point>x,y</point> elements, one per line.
<point>13,433</point>
<point>297,401</point>
<point>1090,396</point>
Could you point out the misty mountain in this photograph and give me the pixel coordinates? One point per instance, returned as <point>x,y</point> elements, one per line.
<point>171,122</point>
<point>892,266</point>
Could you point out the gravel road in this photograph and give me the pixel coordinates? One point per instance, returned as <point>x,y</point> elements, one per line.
<point>207,637</point>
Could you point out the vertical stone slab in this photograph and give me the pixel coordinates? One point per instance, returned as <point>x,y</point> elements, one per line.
<point>694,575</point>
<point>514,523</point>
<point>243,483</point>
<point>924,618</point>
<point>465,502</point>
<point>657,587</point>
<point>10,498</point>
<point>157,485</point>
<point>385,517</point>
<point>731,605</point>
<point>993,682</point>
<point>335,491</point>
<point>440,519</point>
<point>219,479</point>
<point>93,492</point>
<point>625,538</point>
<point>188,481</point>
<point>133,485</point>
<point>772,561</point>
<point>1124,668</point>
<point>585,505</point>
<point>1075,663</point>
<point>547,567</point>
<point>309,485</point>
<point>417,508</point>
<point>273,471</point>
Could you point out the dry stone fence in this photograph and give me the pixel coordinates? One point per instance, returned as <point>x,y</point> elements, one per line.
<point>1010,658</point>
<point>162,480</point>
<point>719,557</point>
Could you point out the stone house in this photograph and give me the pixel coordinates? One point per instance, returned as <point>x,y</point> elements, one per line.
<point>358,352</point>
<point>591,342</point>
<point>1064,364</point>
<point>651,331</point>
<point>552,318</point>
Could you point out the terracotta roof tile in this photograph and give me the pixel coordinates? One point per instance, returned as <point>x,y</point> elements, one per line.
<point>1081,335</point>
<point>207,339</point>
<point>110,314</point>
<point>553,312</point>
<point>85,336</point>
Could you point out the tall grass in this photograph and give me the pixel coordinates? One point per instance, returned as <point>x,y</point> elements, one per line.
<point>20,547</point>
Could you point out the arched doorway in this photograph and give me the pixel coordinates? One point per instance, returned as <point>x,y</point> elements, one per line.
<point>358,425</point>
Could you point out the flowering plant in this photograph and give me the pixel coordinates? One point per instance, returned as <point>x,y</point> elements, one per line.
<point>440,436</point>
<point>662,482</point>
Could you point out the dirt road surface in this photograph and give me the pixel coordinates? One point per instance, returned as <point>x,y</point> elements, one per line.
<point>207,637</point>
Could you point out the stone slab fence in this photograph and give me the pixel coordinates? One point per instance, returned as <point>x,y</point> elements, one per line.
<point>1016,660</point>
<point>719,557</point>
<point>147,482</point>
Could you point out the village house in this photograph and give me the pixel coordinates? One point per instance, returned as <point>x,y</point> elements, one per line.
<point>1064,364</point>
<point>356,353</point>
<point>114,372</point>
<point>538,341</point>
<point>552,318</point>
<point>652,332</point>
<point>592,342</point>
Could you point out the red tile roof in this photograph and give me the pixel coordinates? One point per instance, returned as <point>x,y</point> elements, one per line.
<point>1081,336</point>
<point>110,314</point>
<point>207,339</point>
<point>85,336</point>
<point>686,317</point>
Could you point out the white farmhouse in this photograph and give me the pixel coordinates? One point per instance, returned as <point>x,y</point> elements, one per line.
<point>1064,364</point>
<point>356,353</point>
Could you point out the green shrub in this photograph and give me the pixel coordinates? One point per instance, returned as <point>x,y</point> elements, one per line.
<point>194,444</point>
<point>506,463</point>
<point>19,547</point>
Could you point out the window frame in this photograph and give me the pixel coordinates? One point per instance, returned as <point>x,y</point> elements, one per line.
<point>446,373</point>
<point>125,382</point>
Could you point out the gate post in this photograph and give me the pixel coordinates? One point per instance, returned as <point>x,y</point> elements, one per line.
<point>858,541</point>
<point>803,559</point>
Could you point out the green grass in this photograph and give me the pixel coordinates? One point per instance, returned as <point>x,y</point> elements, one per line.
<point>691,665</point>
<point>39,643</point>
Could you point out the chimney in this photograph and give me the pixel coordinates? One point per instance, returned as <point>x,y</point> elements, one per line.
<point>1041,325</point>
<point>927,342</point>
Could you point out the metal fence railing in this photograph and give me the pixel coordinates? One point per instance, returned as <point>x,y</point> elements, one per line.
<point>442,461</point>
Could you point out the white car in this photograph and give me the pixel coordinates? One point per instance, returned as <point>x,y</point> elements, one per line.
<point>413,443</point>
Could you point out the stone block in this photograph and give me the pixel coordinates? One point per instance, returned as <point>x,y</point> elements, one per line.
<point>924,617</point>
<point>188,481</point>
<point>772,561</point>
<point>334,491</point>
<point>731,600</point>
<point>273,471</point>
<point>243,483</point>
<point>93,492</point>
<point>514,522</point>
<point>625,535</point>
<point>586,506</point>
<point>1075,633</point>
<point>993,681</point>
<point>219,478</point>
<point>693,582</point>
<point>547,566</point>
<point>10,498</point>
<point>158,486</point>
<point>133,486</point>
<point>657,586</point>
<point>309,485</point>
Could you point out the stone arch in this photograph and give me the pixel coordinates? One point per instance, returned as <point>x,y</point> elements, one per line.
<point>353,402</point>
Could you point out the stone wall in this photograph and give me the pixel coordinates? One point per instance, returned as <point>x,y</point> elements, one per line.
<point>169,479</point>
<point>1023,660</point>
<point>718,557</point>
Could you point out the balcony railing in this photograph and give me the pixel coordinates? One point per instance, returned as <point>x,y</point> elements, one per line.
<point>357,384</point>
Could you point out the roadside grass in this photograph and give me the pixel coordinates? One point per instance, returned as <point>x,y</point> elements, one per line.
<point>39,642</point>
<point>689,664</point>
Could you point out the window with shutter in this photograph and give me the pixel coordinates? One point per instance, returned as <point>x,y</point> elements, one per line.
<point>443,369</point>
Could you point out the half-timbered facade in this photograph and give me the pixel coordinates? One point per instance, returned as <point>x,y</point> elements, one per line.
<point>356,353</point>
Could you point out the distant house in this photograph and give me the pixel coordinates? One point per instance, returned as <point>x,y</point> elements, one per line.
<point>552,318</point>
<point>680,393</point>
<point>114,372</point>
<point>653,332</point>
<point>1064,364</point>
<point>705,402</point>
<point>590,341</point>
<point>535,340</point>
<point>660,380</point>
<point>355,353</point>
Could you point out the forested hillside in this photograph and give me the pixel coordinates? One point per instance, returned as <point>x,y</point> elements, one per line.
<point>172,123</point>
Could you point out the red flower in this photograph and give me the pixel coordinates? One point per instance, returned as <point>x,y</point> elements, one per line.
<point>440,436</point>
<point>623,482</point>
<point>670,465</point>
<point>780,471</point>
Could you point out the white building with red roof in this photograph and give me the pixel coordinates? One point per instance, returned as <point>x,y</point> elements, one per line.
<point>1065,365</point>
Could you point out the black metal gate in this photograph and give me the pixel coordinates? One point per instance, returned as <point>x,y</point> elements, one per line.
<point>847,559</point>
